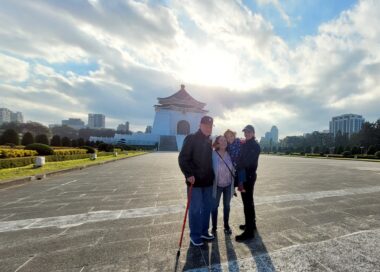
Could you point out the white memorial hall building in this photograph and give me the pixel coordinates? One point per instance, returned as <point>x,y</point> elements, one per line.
<point>176,116</point>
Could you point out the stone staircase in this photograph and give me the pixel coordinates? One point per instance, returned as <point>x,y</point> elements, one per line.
<point>168,143</point>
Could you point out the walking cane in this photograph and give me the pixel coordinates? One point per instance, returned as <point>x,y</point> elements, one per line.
<point>183,226</point>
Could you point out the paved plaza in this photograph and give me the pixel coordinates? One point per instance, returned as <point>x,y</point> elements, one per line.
<point>312,215</point>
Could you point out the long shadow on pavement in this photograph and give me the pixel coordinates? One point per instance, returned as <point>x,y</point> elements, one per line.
<point>260,254</point>
<point>231,255</point>
<point>195,257</point>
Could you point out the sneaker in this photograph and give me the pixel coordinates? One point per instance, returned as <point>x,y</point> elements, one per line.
<point>208,236</point>
<point>244,237</point>
<point>200,243</point>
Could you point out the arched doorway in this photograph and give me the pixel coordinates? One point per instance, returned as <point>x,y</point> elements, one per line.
<point>183,127</point>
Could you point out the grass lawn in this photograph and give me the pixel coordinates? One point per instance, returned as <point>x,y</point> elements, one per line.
<point>12,173</point>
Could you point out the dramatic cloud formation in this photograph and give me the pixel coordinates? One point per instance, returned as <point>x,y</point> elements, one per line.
<point>61,59</point>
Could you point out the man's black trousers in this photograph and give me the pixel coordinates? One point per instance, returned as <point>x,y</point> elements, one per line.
<point>249,206</point>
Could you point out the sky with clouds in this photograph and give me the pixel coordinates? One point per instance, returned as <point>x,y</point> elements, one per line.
<point>289,63</point>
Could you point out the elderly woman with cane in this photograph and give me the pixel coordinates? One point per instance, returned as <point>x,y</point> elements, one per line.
<point>223,183</point>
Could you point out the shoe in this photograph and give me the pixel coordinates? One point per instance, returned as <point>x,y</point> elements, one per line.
<point>228,231</point>
<point>200,243</point>
<point>242,227</point>
<point>208,236</point>
<point>244,237</point>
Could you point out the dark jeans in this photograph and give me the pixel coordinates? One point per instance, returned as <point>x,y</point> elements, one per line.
<point>226,191</point>
<point>199,212</point>
<point>249,206</point>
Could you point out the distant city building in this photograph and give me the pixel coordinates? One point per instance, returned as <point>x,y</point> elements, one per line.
<point>123,128</point>
<point>346,124</point>
<point>274,134</point>
<point>271,138</point>
<point>96,120</point>
<point>17,117</point>
<point>54,125</point>
<point>7,116</point>
<point>148,129</point>
<point>74,123</point>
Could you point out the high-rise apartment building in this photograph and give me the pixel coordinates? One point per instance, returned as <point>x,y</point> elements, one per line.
<point>123,128</point>
<point>7,116</point>
<point>274,134</point>
<point>74,123</point>
<point>270,139</point>
<point>96,120</point>
<point>346,124</point>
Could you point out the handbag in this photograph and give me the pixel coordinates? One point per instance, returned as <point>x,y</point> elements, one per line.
<point>232,174</point>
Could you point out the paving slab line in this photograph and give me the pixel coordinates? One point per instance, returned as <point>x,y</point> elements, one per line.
<point>23,180</point>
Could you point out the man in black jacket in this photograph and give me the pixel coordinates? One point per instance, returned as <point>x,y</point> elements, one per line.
<point>248,161</point>
<point>195,161</point>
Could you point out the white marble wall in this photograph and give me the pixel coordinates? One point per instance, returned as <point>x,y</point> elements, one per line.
<point>165,121</point>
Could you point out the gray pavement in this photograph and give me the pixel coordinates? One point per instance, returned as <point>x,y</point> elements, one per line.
<point>312,215</point>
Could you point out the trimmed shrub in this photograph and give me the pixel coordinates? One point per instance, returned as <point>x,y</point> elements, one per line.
<point>55,158</point>
<point>14,153</point>
<point>339,150</point>
<point>66,141</point>
<point>42,139</point>
<point>81,142</point>
<point>40,148</point>
<point>90,150</point>
<point>371,150</point>
<point>102,154</point>
<point>70,151</point>
<point>355,150</point>
<point>16,162</point>
<point>27,139</point>
<point>9,136</point>
<point>74,143</point>
<point>55,141</point>
<point>377,154</point>
<point>105,147</point>
<point>335,156</point>
<point>346,154</point>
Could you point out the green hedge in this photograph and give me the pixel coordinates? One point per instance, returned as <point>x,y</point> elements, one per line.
<point>16,162</point>
<point>42,149</point>
<point>54,158</point>
<point>101,154</point>
<point>90,150</point>
<point>20,162</point>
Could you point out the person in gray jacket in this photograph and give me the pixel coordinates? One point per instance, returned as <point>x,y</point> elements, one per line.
<point>223,183</point>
